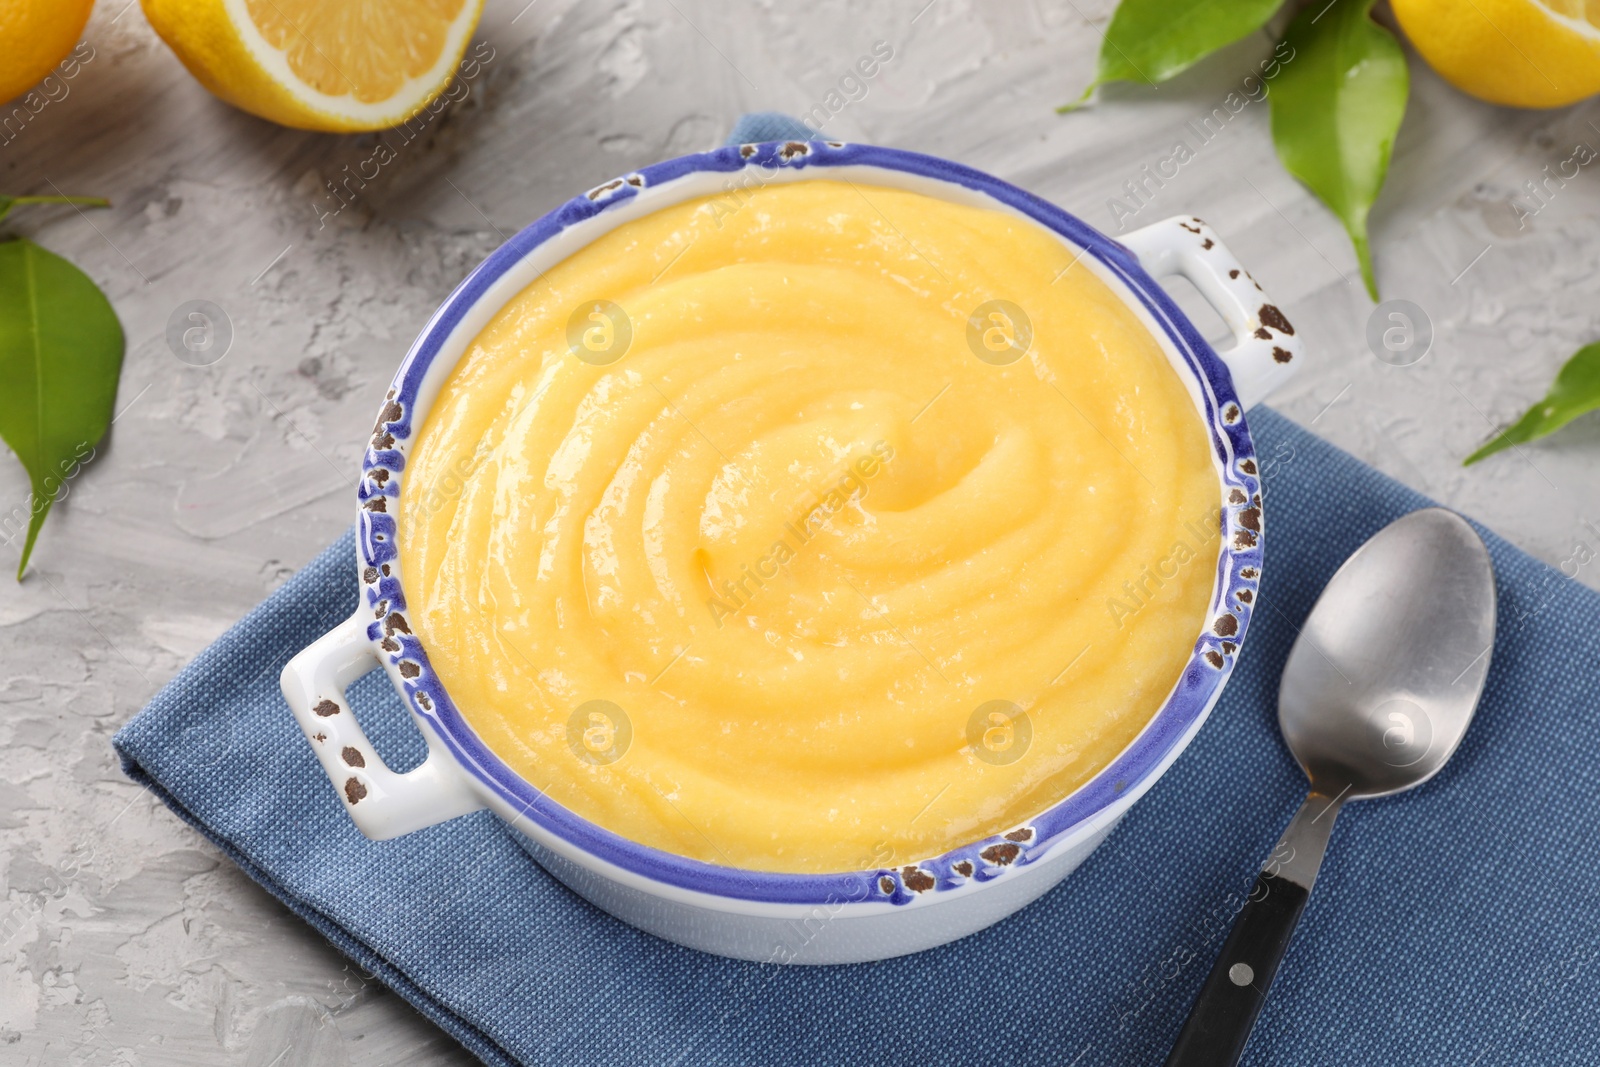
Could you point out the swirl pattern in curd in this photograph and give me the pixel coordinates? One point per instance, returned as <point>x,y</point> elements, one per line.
<point>737,534</point>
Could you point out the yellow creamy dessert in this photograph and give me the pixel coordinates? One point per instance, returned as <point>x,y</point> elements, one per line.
<point>822,528</point>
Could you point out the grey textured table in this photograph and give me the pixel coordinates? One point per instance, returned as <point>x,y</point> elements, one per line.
<point>128,939</point>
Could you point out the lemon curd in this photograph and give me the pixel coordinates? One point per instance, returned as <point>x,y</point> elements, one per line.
<point>823,528</point>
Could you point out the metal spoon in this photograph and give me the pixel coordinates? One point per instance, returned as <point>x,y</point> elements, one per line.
<point>1376,695</point>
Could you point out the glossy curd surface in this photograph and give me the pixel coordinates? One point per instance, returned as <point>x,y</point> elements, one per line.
<point>819,527</point>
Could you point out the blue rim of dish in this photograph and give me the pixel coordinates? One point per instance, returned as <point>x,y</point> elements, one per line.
<point>1238,562</point>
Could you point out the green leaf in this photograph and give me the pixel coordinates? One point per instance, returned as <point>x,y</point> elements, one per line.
<point>1575,392</point>
<point>9,202</point>
<point>1336,108</point>
<point>60,354</point>
<point>1149,41</point>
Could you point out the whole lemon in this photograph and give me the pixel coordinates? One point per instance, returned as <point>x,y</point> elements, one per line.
<point>35,35</point>
<point>1523,53</point>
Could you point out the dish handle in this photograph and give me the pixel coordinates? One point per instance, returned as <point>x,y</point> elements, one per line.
<point>1265,352</point>
<point>381,802</point>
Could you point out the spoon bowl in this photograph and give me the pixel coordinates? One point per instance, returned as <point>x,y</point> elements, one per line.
<point>1387,670</point>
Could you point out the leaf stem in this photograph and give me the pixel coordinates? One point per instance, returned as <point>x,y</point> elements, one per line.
<point>1364,256</point>
<point>1067,109</point>
<point>86,201</point>
<point>9,202</point>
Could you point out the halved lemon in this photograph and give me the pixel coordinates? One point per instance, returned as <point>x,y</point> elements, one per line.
<point>1523,53</point>
<point>337,65</point>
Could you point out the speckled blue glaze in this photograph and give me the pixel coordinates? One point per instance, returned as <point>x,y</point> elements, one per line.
<point>1238,564</point>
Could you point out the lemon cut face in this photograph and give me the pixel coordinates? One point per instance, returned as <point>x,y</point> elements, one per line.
<point>1586,11</point>
<point>339,49</point>
<point>336,65</point>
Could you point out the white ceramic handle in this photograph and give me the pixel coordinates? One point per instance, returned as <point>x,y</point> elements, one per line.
<point>1266,352</point>
<point>382,804</point>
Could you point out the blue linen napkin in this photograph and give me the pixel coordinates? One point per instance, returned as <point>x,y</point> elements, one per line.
<point>1458,923</point>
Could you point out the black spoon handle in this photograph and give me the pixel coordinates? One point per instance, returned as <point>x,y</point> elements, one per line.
<point>1223,1015</point>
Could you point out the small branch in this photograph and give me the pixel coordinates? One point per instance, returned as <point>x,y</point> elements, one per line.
<point>9,202</point>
